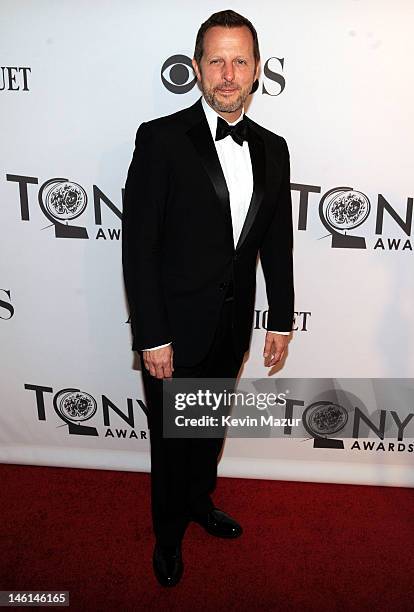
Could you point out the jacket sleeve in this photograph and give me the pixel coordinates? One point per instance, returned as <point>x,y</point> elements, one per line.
<point>145,198</point>
<point>276,255</point>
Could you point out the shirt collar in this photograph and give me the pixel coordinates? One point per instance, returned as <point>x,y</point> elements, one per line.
<point>211,116</point>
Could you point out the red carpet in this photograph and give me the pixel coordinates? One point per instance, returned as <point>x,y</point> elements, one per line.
<point>305,547</point>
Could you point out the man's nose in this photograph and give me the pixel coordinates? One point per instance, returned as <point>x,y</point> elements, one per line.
<point>228,72</point>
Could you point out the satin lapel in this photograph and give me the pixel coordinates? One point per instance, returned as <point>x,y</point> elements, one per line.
<point>200,136</point>
<point>258,159</point>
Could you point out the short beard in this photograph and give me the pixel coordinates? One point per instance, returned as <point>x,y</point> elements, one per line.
<point>222,106</point>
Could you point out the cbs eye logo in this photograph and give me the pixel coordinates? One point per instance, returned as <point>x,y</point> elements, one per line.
<point>177,74</point>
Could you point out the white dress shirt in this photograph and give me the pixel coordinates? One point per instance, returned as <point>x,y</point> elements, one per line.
<point>237,169</point>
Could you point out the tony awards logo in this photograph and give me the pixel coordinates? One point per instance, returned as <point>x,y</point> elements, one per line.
<point>62,201</point>
<point>322,419</point>
<point>74,406</point>
<point>342,210</point>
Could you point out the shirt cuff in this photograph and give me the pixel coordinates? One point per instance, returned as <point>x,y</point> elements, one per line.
<point>153,348</point>
<point>277,332</point>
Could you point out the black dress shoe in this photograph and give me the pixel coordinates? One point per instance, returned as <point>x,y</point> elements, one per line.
<point>218,523</point>
<point>168,564</point>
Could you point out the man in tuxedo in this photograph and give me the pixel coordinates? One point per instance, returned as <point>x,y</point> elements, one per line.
<point>208,189</point>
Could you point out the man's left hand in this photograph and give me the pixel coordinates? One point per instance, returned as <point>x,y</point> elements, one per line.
<point>274,349</point>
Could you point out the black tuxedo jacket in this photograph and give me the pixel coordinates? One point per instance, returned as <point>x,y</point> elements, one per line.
<point>177,241</point>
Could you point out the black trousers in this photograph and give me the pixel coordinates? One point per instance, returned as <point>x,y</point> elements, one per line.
<point>184,470</point>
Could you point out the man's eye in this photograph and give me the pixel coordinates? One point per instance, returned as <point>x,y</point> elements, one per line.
<point>242,61</point>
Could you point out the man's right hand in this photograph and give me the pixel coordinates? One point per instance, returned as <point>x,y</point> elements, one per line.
<point>159,362</point>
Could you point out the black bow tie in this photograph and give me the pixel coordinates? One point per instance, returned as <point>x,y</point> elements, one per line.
<point>238,132</point>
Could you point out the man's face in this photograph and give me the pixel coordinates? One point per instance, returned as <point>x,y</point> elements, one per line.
<point>227,68</point>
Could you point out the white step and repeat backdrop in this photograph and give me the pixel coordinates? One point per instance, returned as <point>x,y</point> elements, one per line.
<point>76,80</point>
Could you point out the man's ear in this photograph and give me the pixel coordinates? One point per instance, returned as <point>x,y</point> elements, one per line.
<point>255,85</point>
<point>257,71</point>
<point>196,69</point>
